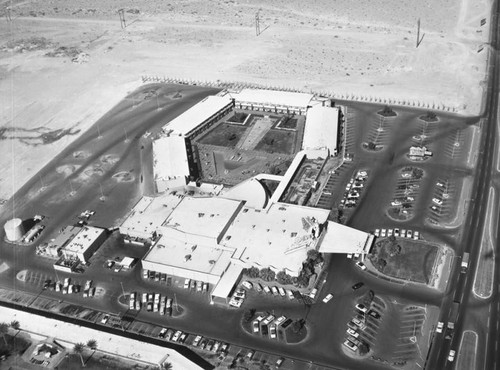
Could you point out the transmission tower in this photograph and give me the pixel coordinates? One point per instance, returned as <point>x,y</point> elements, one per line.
<point>121,14</point>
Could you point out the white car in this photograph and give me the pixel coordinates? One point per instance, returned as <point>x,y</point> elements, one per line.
<point>350,345</point>
<point>105,319</point>
<point>416,235</point>
<point>280,320</point>
<point>248,285</point>
<point>352,333</point>
<point>361,308</point>
<point>272,331</point>
<point>383,233</point>
<point>377,232</point>
<point>361,265</point>
<point>437,201</point>
<point>390,232</point>
<point>327,298</point>
<point>176,336</point>
<point>396,232</point>
<point>451,355</point>
<point>409,234</point>
<point>312,295</point>
<point>440,326</point>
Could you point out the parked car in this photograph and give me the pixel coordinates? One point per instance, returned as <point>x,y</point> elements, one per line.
<point>350,345</point>
<point>266,289</point>
<point>328,298</point>
<point>374,314</point>
<point>279,320</point>
<point>162,333</point>
<point>361,265</point>
<point>46,284</point>
<point>352,333</point>
<point>246,284</point>
<point>104,319</point>
<point>272,331</point>
<point>196,340</point>
<point>279,362</point>
<point>357,285</point>
<point>313,292</point>
<point>250,354</point>
<point>361,308</point>
<point>176,336</point>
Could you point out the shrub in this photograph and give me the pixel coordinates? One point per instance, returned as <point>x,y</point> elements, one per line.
<point>283,278</point>
<point>253,272</point>
<point>267,274</point>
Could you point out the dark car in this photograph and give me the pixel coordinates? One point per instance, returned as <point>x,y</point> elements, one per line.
<point>264,329</point>
<point>169,281</point>
<point>357,285</point>
<point>374,314</point>
<point>163,278</point>
<point>286,323</point>
<point>46,284</point>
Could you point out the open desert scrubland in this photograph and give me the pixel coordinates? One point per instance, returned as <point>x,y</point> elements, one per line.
<point>64,63</point>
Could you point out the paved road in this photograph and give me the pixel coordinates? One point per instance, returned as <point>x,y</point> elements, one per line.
<point>481,316</point>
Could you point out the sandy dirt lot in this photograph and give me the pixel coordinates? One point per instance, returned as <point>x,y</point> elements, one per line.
<point>362,49</point>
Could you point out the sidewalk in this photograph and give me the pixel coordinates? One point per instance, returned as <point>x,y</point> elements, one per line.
<point>70,334</point>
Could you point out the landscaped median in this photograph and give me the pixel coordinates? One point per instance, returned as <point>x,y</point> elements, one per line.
<point>484,278</point>
<point>406,259</point>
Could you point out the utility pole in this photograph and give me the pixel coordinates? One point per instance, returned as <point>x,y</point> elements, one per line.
<point>257,23</point>
<point>121,14</point>
<point>419,39</point>
<point>8,15</point>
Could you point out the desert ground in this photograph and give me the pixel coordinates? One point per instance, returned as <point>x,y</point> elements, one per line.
<point>64,63</point>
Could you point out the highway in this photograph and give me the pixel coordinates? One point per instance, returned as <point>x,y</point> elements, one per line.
<point>478,315</point>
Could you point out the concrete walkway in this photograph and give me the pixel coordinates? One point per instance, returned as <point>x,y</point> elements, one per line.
<point>69,334</point>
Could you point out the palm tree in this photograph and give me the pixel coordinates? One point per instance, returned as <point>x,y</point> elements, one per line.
<point>16,326</point>
<point>4,329</point>
<point>166,366</point>
<point>78,349</point>
<point>92,344</point>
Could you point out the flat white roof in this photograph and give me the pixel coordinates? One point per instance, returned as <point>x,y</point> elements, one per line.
<point>273,97</point>
<point>206,217</point>
<point>343,239</point>
<point>170,158</point>
<point>171,250</point>
<point>226,283</point>
<point>84,239</point>
<point>196,115</point>
<point>127,261</point>
<point>250,190</point>
<point>148,214</point>
<point>321,128</point>
<point>288,176</point>
<point>277,237</point>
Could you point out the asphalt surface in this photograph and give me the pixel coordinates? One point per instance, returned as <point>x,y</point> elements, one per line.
<point>116,145</point>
